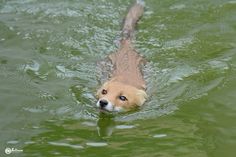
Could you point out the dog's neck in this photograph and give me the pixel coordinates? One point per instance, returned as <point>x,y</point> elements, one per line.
<point>127,63</point>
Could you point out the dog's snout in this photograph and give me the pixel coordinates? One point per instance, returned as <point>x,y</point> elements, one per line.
<point>103,103</point>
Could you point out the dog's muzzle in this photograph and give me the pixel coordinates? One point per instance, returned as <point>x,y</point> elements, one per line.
<point>106,105</point>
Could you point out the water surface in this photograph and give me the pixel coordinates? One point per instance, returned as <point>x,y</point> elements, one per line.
<point>48,55</point>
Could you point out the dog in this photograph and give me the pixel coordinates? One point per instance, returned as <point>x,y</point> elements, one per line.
<point>126,88</point>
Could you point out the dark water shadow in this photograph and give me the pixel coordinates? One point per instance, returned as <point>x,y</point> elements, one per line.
<point>105,125</point>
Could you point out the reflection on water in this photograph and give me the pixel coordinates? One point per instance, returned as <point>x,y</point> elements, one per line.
<point>81,137</point>
<point>105,125</point>
<point>48,61</point>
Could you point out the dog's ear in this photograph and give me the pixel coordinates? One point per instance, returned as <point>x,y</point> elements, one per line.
<point>142,96</point>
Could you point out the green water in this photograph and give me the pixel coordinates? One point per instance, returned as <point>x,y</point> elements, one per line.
<point>48,77</point>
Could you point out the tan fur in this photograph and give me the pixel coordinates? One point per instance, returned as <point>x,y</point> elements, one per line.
<point>136,97</point>
<point>127,79</point>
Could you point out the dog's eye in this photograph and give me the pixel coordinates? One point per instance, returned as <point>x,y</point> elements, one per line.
<point>104,91</point>
<point>123,98</point>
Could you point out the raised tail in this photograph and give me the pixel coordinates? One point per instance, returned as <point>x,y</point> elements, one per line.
<point>134,14</point>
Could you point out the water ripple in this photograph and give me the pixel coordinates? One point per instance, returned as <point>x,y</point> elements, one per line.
<point>66,145</point>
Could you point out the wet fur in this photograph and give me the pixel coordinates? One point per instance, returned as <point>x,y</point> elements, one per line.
<point>127,79</point>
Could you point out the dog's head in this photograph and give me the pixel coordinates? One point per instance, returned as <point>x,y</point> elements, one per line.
<point>118,97</point>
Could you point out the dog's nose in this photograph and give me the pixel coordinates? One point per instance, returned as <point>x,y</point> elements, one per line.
<point>103,103</point>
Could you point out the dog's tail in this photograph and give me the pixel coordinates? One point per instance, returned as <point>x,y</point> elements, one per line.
<point>134,14</point>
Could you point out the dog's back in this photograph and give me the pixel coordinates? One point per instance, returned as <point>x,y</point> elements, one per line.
<point>126,60</point>
<point>126,88</point>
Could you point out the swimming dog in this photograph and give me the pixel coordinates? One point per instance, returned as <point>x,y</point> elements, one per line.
<point>126,87</point>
